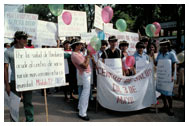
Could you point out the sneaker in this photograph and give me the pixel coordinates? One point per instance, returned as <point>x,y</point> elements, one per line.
<point>86,118</point>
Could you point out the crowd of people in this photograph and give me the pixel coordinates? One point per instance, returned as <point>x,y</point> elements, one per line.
<point>82,68</point>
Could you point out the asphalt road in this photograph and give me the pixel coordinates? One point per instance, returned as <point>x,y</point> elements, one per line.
<point>60,110</point>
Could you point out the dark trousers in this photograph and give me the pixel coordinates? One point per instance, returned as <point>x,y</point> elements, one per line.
<point>27,101</point>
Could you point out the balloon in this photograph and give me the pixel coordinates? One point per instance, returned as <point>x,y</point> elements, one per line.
<point>67,17</point>
<point>130,61</point>
<point>121,25</point>
<point>91,49</point>
<point>107,14</point>
<point>95,43</point>
<point>158,27</point>
<point>150,30</point>
<point>56,9</point>
<point>101,35</point>
<point>180,57</point>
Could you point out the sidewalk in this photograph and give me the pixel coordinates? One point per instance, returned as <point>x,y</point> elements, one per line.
<point>62,111</point>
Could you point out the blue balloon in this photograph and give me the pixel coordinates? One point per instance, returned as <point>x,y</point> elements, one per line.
<point>101,35</point>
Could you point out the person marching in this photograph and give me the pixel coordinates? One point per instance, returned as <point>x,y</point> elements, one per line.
<point>165,53</point>
<point>123,46</point>
<point>20,41</point>
<point>140,55</point>
<point>83,77</point>
<point>111,52</point>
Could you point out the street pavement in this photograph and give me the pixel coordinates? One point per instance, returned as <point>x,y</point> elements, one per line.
<point>60,110</point>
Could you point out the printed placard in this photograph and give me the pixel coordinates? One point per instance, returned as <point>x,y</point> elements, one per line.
<point>39,68</point>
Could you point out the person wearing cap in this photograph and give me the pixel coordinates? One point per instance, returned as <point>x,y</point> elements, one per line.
<point>111,52</point>
<point>20,41</point>
<point>81,63</point>
<point>165,53</point>
<point>140,54</point>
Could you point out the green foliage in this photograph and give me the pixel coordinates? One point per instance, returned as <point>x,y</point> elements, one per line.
<point>137,16</point>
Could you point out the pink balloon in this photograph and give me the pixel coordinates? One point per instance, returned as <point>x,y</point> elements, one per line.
<point>91,49</point>
<point>107,14</point>
<point>158,27</point>
<point>130,61</point>
<point>67,17</point>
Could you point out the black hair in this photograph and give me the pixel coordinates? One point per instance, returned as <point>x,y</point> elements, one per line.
<point>104,42</point>
<point>123,43</point>
<point>140,45</point>
<point>148,48</point>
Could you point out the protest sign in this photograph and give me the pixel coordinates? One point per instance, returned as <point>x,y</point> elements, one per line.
<point>39,68</point>
<point>98,22</point>
<point>66,67</point>
<point>20,22</point>
<point>164,82</point>
<point>12,102</point>
<point>86,37</point>
<point>47,33</point>
<point>140,65</point>
<point>122,93</point>
<point>115,64</point>
<point>78,24</point>
<point>107,26</point>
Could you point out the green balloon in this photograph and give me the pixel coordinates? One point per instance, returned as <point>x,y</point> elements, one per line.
<point>95,43</point>
<point>150,30</point>
<point>56,9</point>
<point>121,25</point>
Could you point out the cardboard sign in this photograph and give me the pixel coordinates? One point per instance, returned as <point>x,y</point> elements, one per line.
<point>77,26</point>
<point>20,22</point>
<point>115,64</point>
<point>122,93</point>
<point>86,37</point>
<point>47,33</point>
<point>98,22</point>
<point>164,83</point>
<point>39,68</point>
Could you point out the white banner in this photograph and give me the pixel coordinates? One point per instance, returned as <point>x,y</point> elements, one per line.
<point>39,68</point>
<point>115,64</point>
<point>98,22</point>
<point>121,93</point>
<point>164,83</point>
<point>131,38</point>
<point>12,102</point>
<point>20,22</point>
<point>77,26</point>
<point>140,65</point>
<point>47,33</point>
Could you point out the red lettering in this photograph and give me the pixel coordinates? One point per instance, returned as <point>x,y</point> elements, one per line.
<point>132,89</point>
